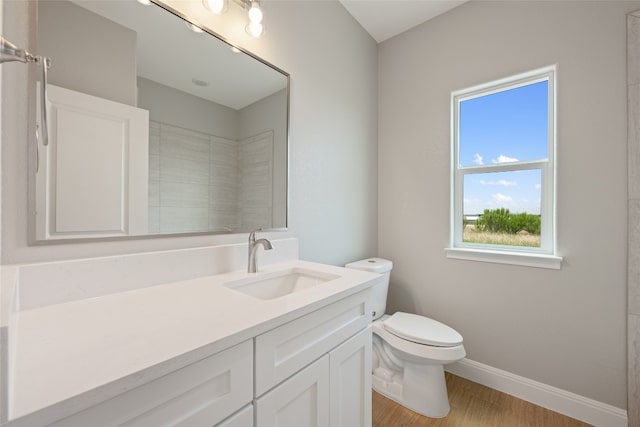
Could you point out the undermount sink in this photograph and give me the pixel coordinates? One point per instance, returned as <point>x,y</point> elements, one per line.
<point>277,284</point>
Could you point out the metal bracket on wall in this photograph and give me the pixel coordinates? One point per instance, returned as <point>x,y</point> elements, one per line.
<point>11,53</point>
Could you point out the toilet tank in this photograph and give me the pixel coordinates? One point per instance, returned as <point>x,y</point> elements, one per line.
<point>380,289</point>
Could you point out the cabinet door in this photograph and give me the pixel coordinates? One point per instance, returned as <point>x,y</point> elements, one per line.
<point>243,418</point>
<point>350,382</point>
<point>93,177</point>
<point>302,400</point>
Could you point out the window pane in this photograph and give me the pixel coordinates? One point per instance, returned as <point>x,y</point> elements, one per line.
<point>507,126</point>
<point>502,208</point>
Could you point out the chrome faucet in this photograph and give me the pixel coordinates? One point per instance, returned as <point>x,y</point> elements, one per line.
<point>253,247</point>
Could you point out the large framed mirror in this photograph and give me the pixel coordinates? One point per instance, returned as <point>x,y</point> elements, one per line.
<point>155,127</point>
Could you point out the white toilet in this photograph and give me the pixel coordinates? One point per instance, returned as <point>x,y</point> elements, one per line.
<point>409,351</point>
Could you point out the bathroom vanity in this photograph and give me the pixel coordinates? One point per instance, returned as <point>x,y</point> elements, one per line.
<point>182,337</point>
<point>203,351</point>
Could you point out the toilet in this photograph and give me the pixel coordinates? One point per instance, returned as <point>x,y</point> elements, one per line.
<point>409,351</point>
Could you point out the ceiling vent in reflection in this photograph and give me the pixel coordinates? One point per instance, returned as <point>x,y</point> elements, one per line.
<point>199,82</point>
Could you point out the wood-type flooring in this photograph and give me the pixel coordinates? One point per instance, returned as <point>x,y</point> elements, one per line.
<point>472,405</point>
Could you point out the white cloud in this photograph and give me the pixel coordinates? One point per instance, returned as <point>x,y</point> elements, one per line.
<point>499,197</point>
<point>499,183</point>
<point>504,159</point>
<point>477,159</point>
<point>474,200</point>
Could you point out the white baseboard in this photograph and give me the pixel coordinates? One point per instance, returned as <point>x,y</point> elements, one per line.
<point>570,404</point>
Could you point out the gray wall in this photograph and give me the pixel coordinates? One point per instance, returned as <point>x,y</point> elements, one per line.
<point>333,194</point>
<point>564,328</point>
<point>102,65</point>
<point>633,279</point>
<point>174,107</point>
<point>1,135</point>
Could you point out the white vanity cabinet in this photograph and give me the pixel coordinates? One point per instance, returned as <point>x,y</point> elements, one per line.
<point>331,349</point>
<point>311,368</point>
<point>201,394</point>
<point>334,390</point>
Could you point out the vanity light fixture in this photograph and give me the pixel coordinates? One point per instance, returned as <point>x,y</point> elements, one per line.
<point>216,6</point>
<point>255,13</point>
<point>255,27</point>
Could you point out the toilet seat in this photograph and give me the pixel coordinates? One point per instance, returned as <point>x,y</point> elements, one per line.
<point>422,330</point>
<point>415,352</point>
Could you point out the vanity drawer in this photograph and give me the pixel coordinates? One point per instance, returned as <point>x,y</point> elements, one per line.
<point>285,350</point>
<point>201,394</point>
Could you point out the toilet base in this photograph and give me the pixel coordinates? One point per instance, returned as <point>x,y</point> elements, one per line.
<point>419,387</point>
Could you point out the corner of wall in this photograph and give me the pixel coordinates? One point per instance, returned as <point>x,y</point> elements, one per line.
<point>633,243</point>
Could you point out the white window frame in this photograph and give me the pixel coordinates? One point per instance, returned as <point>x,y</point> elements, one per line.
<point>546,255</point>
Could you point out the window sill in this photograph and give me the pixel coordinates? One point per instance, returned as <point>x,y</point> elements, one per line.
<point>513,258</point>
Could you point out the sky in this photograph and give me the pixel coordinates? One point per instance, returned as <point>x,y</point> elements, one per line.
<point>503,127</point>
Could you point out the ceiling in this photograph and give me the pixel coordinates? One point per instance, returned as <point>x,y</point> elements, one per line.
<point>168,52</point>
<point>384,19</point>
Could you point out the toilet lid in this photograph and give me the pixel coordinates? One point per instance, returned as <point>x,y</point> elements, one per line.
<point>422,330</point>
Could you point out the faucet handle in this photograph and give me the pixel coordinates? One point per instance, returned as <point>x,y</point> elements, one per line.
<point>252,234</point>
<point>253,247</point>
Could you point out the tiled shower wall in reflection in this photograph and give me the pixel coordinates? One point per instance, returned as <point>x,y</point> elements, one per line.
<point>200,182</point>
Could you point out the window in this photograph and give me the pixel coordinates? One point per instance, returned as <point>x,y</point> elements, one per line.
<point>503,171</point>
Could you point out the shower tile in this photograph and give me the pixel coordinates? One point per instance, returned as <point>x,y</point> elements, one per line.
<point>224,148</point>
<point>256,217</point>
<point>183,219</point>
<point>220,195</point>
<point>154,220</point>
<point>154,138</point>
<point>183,170</point>
<point>223,221</point>
<point>154,167</point>
<point>183,144</point>
<point>154,192</point>
<point>179,194</point>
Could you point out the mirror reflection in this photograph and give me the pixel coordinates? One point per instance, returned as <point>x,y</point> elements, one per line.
<point>155,128</point>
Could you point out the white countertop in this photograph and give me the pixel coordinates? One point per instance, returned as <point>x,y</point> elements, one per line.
<point>70,356</point>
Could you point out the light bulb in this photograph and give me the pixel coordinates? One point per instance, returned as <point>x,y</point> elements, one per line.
<point>215,6</point>
<point>145,2</point>
<point>255,14</point>
<point>255,30</point>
